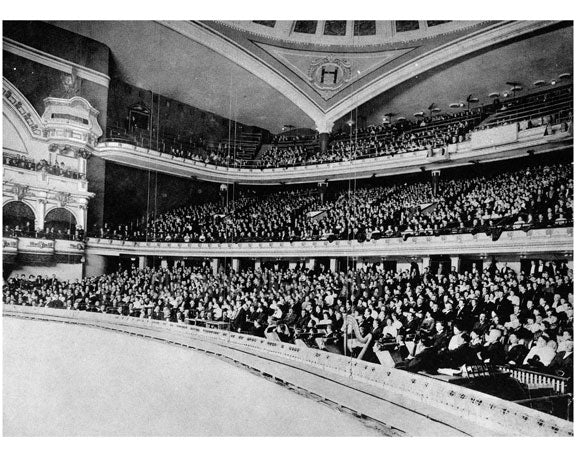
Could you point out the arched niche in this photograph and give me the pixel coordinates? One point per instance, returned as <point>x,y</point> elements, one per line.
<point>60,220</point>
<point>18,215</point>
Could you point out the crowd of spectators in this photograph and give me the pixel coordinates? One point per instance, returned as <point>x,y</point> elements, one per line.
<point>443,320</point>
<point>56,169</point>
<point>398,138</point>
<point>294,138</point>
<point>27,230</point>
<point>431,132</point>
<point>532,197</point>
<point>275,157</point>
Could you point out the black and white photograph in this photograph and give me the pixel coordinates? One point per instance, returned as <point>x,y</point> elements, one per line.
<point>288,228</point>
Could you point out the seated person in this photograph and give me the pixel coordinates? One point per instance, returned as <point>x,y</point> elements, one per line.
<point>493,350</point>
<point>563,362</point>
<point>516,351</point>
<point>540,355</point>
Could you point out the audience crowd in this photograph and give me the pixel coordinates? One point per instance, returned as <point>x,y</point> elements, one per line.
<point>430,320</point>
<point>55,232</point>
<point>532,197</point>
<point>431,133</point>
<point>57,169</point>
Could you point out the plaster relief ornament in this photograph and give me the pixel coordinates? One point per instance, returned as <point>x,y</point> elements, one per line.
<point>71,83</point>
<point>20,191</point>
<point>63,198</point>
<point>328,74</point>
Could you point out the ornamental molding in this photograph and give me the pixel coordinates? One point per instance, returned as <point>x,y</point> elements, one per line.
<point>329,74</point>
<point>22,108</point>
<point>347,41</point>
<point>69,150</point>
<point>71,120</point>
<point>49,60</point>
<point>64,199</point>
<point>20,191</point>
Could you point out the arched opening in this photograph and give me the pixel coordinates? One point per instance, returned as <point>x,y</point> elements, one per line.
<point>18,217</point>
<point>60,221</point>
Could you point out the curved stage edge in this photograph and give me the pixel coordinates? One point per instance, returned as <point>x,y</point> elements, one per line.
<point>406,403</point>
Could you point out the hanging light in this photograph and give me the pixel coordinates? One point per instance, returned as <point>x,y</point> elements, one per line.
<point>494,94</point>
<point>539,83</point>
<point>564,76</point>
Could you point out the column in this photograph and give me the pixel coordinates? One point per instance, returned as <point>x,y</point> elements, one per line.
<point>81,165</point>
<point>142,262</point>
<point>236,265</point>
<point>292,265</point>
<point>425,263</point>
<point>360,264</point>
<point>323,140</point>
<point>334,264</point>
<point>41,212</point>
<point>311,264</point>
<point>215,264</point>
<point>435,181</point>
<point>257,264</point>
<point>455,263</point>
<point>324,128</point>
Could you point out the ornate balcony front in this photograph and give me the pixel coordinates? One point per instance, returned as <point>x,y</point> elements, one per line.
<point>536,241</point>
<point>498,143</point>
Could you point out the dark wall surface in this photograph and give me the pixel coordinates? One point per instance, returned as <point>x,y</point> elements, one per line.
<point>169,116</point>
<point>131,193</point>
<point>60,43</point>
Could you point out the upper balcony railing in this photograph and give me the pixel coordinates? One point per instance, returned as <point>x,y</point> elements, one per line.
<point>498,143</point>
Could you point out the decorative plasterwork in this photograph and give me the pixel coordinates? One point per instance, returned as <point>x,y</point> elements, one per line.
<point>434,58</point>
<point>460,154</point>
<point>329,73</point>
<point>283,33</point>
<point>65,121</point>
<point>516,242</point>
<point>22,107</point>
<point>320,107</point>
<point>73,118</point>
<point>64,199</point>
<point>19,191</point>
<point>41,57</point>
<point>70,151</point>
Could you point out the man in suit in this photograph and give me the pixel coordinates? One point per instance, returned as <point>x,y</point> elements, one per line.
<point>493,350</point>
<point>516,350</point>
<point>563,362</point>
<point>239,320</point>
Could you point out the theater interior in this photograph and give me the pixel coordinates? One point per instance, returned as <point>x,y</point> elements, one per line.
<point>374,214</point>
